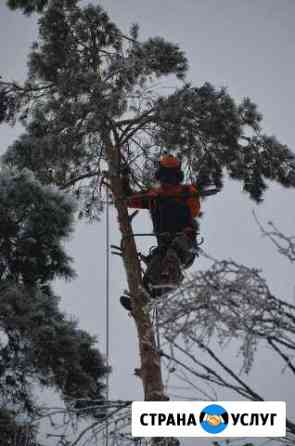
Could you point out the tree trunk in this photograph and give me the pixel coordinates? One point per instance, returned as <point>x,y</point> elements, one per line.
<point>150,368</point>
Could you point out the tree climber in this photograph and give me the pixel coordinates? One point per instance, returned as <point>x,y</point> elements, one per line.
<point>173,207</point>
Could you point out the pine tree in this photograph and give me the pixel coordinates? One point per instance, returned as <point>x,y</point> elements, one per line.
<point>38,344</point>
<point>91,106</point>
<point>28,6</point>
<point>14,433</point>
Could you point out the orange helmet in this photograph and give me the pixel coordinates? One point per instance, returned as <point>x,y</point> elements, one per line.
<point>169,170</point>
<point>170,162</point>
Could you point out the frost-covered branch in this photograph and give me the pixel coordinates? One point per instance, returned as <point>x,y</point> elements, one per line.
<point>285,244</point>
<point>228,303</point>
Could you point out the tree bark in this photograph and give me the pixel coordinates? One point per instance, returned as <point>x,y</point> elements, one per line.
<point>150,367</point>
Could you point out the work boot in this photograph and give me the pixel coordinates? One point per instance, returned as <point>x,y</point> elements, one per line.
<point>126,303</point>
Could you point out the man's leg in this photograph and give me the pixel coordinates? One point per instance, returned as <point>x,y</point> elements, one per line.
<point>152,275</point>
<point>179,255</point>
<point>164,266</point>
<point>183,245</point>
<point>171,274</point>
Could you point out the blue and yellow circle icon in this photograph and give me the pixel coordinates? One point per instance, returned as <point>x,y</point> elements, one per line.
<point>214,419</point>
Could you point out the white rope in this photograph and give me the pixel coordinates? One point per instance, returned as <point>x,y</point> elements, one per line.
<point>157,328</point>
<point>107,261</point>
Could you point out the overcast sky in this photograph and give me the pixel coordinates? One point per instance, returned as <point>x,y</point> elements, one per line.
<point>248,46</point>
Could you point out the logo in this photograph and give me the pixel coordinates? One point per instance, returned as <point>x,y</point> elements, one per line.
<point>238,419</point>
<point>214,419</point>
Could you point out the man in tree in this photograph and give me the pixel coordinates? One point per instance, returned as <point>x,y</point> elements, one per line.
<point>173,208</point>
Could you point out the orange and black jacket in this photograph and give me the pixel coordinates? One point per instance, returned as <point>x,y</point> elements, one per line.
<point>172,207</point>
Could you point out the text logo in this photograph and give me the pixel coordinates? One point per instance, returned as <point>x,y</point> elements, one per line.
<point>213,419</point>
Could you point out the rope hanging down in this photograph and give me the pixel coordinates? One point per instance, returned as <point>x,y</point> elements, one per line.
<point>107,263</point>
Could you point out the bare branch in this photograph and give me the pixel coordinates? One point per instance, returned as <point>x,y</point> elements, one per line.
<point>284,244</point>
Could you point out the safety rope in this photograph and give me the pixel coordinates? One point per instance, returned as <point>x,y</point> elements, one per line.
<point>157,329</point>
<point>155,322</point>
<point>107,263</point>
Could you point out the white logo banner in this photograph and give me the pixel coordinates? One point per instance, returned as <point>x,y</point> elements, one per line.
<point>208,419</point>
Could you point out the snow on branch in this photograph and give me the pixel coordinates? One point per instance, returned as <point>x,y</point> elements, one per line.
<point>228,301</point>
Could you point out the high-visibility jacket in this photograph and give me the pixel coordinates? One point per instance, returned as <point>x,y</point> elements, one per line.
<point>172,207</point>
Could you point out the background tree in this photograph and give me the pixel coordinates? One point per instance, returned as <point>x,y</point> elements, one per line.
<point>27,6</point>
<point>14,433</point>
<point>38,344</point>
<point>91,102</point>
<point>232,303</point>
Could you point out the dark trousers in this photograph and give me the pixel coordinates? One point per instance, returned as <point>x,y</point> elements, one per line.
<point>178,250</point>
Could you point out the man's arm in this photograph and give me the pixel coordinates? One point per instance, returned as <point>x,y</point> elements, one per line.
<point>194,201</point>
<point>137,200</point>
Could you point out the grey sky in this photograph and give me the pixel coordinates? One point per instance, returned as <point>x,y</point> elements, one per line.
<point>248,46</point>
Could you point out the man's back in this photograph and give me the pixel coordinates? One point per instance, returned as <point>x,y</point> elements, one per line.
<point>186,194</point>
